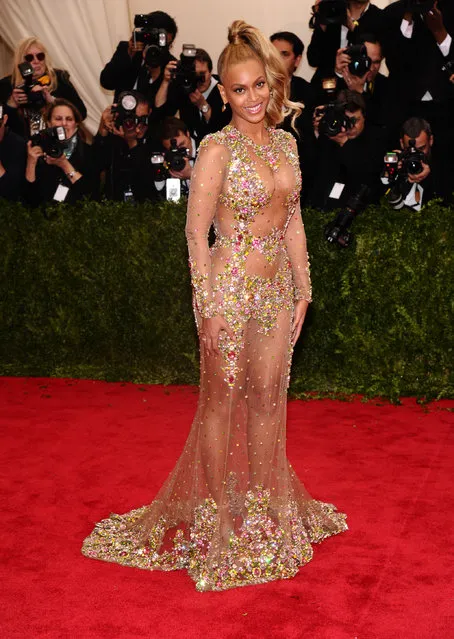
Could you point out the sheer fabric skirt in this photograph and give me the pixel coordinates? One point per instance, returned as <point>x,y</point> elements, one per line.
<point>232,512</point>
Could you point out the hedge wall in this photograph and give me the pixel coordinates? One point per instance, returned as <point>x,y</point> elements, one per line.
<point>102,291</point>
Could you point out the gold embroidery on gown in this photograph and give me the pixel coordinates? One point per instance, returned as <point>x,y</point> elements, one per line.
<point>233,511</point>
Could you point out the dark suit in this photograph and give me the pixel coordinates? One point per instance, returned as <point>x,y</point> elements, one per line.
<point>126,169</point>
<point>358,161</point>
<point>415,67</point>
<point>122,72</point>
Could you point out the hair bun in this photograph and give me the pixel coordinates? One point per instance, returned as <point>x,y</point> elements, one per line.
<point>238,31</point>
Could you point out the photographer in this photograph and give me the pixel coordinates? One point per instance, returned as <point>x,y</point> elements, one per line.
<point>32,86</point>
<point>347,154</point>
<point>189,87</point>
<point>358,68</point>
<point>179,157</point>
<point>417,46</point>
<point>13,154</point>
<point>123,152</point>
<point>291,49</point>
<point>338,24</point>
<point>414,175</point>
<point>130,67</point>
<point>60,165</point>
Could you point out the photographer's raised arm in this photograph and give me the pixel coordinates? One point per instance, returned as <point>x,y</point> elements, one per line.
<point>163,91</point>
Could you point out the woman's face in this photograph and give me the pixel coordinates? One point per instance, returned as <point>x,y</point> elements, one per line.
<point>33,55</point>
<point>245,88</point>
<point>63,116</point>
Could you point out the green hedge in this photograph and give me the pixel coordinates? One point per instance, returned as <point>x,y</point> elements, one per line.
<point>102,291</point>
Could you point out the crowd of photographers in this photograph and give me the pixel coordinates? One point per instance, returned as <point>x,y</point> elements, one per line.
<point>361,136</point>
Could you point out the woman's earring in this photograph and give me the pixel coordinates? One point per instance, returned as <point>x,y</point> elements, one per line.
<point>224,106</point>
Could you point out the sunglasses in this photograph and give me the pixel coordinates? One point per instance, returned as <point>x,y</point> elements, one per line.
<point>30,56</point>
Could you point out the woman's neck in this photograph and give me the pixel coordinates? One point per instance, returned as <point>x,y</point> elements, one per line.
<point>257,132</point>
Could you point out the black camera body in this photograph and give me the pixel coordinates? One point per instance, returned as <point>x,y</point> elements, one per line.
<point>329,12</point>
<point>360,63</point>
<point>337,231</point>
<point>34,98</point>
<point>175,157</point>
<point>155,40</point>
<point>185,76</point>
<point>125,112</point>
<point>411,163</point>
<point>51,140</point>
<point>334,119</point>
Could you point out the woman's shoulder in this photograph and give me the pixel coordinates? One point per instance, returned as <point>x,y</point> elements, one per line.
<point>283,138</point>
<point>216,143</point>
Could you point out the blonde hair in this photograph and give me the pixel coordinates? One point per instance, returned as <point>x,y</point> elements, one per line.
<point>246,42</point>
<point>21,50</point>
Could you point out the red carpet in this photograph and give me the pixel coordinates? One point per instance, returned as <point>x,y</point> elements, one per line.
<point>74,451</point>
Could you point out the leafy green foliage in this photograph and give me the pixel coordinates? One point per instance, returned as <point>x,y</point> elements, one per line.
<point>102,291</point>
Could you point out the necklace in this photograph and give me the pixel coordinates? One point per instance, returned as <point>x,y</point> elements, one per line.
<point>269,153</point>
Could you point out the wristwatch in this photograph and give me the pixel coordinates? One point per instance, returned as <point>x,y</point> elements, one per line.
<point>205,108</point>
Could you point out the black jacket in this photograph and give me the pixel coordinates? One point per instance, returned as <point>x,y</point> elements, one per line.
<point>121,73</point>
<point>415,64</point>
<point>48,178</point>
<point>126,170</point>
<point>13,156</point>
<point>65,89</point>
<point>358,161</point>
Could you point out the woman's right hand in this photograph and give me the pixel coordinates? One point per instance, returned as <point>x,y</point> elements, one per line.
<point>107,121</point>
<point>169,71</point>
<point>34,152</point>
<point>17,98</point>
<point>210,331</point>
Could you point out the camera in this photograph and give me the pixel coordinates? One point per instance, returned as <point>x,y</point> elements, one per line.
<point>411,163</point>
<point>337,231</point>
<point>125,112</point>
<point>51,140</point>
<point>175,158</point>
<point>329,12</point>
<point>334,119</point>
<point>156,50</point>
<point>185,76</point>
<point>34,98</point>
<point>418,6</point>
<point>360,62</point>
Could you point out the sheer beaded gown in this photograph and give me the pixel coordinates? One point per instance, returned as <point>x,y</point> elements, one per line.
<point>233,512</point>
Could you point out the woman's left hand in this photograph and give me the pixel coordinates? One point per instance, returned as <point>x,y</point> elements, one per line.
<point>62,162</point>
<point>299,314</point>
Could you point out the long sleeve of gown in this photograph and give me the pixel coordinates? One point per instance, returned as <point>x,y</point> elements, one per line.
<point>295,240</point>
<point>206,183</point>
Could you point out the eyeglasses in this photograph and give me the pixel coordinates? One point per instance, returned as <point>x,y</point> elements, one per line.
<point>31,56</point>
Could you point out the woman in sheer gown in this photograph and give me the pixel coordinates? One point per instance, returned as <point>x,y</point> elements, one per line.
<point>233,511</point>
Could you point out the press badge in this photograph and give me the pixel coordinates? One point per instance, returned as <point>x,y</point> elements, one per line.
<point>61,193</point>
<point>336,191</point>
<point>173,189</point>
